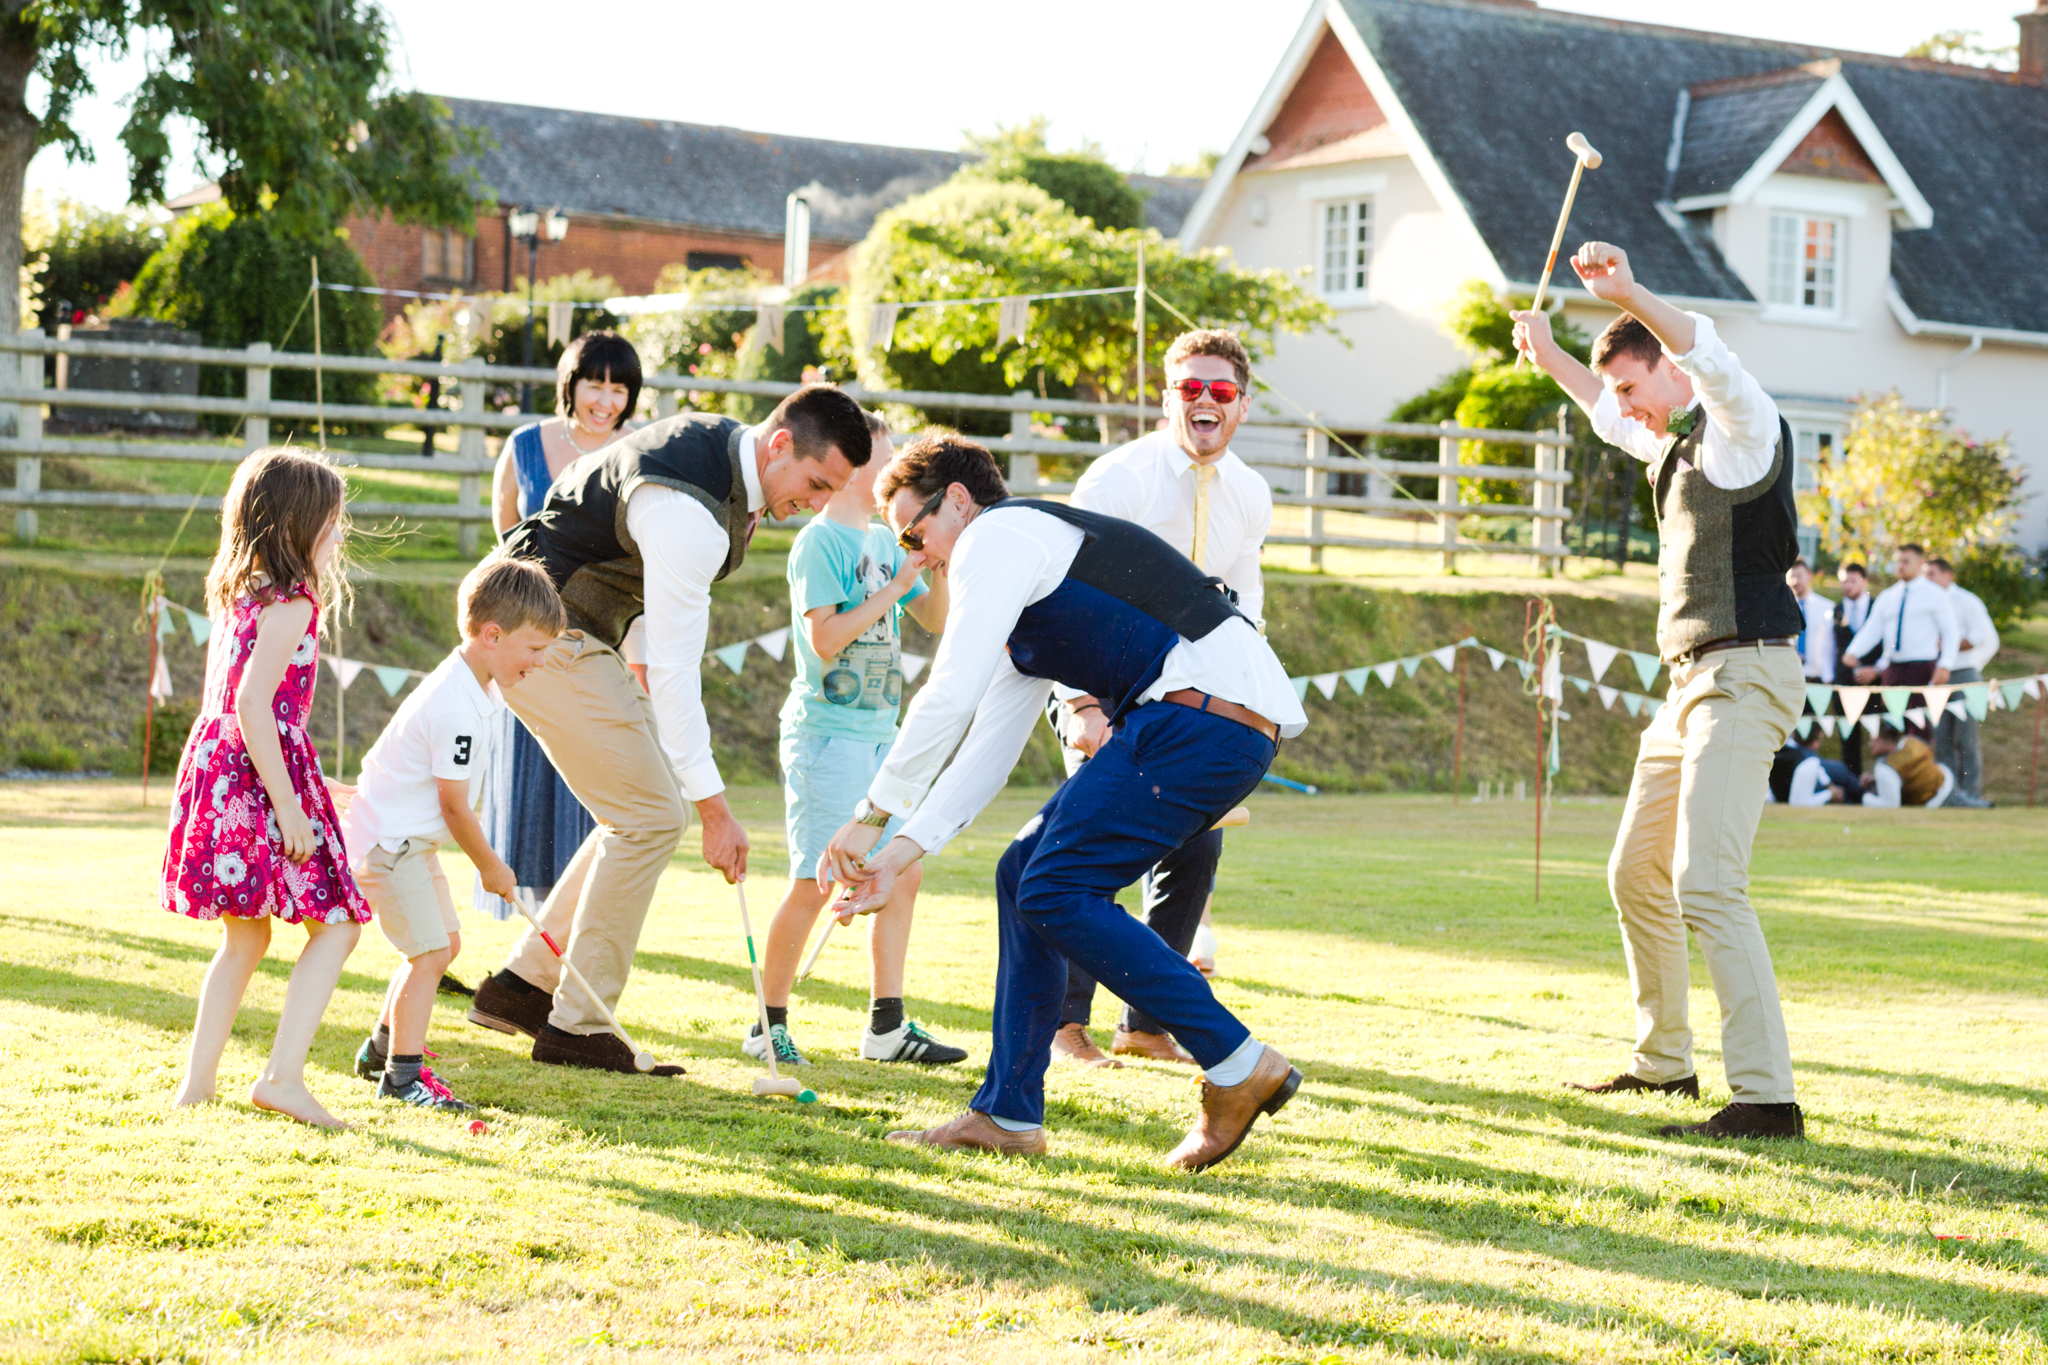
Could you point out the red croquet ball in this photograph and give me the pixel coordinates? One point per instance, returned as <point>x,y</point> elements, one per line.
<point>479,1127</point>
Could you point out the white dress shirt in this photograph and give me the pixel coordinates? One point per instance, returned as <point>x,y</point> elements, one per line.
<point>1973,623</point>
<point>1004,561</point>
<point>1151,481</point>
<point>1929,631</point>
<point>1855,610</point>
<point>1817,641</point>
<point>1742,420</point>
<point>682,548</point>
<point>1810,785</point>
<point>1889,793</point>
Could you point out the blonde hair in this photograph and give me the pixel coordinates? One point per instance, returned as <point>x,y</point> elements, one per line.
<point>512,592</point>
<point>278,508</point>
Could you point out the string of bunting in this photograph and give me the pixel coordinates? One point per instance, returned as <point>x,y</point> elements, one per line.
<point>1446,657</point>
<point>776,643</point>
<point>200,626</point>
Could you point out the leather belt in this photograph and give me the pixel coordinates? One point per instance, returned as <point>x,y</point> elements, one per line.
<point>1715,646</point>
<point>1229,710</point>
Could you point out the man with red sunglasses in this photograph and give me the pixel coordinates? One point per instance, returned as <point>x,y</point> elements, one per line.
<point>1183,484</point>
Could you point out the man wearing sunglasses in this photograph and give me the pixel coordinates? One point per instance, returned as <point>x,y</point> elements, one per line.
<point>1045,595</point>
<point>1185,486</point>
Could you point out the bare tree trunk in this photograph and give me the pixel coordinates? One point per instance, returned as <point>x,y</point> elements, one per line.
<point>18,130</point>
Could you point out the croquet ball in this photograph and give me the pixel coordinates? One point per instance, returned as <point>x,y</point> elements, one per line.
<point>479,1127</point>
<point>806,1097</point>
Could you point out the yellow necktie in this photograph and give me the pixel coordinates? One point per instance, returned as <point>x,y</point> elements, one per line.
<point>1203,473</point>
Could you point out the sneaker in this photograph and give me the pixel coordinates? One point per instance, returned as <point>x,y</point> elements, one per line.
<point>1746,1121</point>
<point>908,1043</point>
<point>786,1053</point>
<point>427,1092</point>
<point>370,1059</point>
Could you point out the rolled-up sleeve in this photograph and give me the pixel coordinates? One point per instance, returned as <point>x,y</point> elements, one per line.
<point>682,548</point>
<point>1737,451</point>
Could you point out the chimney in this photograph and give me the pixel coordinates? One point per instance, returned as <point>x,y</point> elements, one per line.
<point>2034,42</point>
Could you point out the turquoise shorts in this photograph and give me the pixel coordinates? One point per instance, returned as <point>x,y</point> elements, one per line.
<point>823,778</point>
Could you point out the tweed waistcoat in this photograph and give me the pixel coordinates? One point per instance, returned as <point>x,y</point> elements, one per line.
<point>579,535</point>
<point>1919,778</point>
<point>1722,553</point>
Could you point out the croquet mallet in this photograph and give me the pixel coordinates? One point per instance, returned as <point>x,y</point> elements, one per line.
<point>643,1060</point>
<point>1586,159</point>
<point>774,1083</point>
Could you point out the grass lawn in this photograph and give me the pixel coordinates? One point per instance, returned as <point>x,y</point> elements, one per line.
<point>1432,1193</point>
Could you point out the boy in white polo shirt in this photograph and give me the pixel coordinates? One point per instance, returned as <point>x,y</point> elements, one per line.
<point>419,788</point>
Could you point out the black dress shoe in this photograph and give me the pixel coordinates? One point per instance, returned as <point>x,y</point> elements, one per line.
<point>1688,1086</point>
<point>593,1052</point>
<point>509,1009</point>
<point>1745,1121</point>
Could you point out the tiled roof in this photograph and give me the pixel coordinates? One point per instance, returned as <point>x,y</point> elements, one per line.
<point>1975,144</point>
<point>1728,128</point>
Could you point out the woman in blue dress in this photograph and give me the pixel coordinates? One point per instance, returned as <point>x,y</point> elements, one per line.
<point>529,814</point>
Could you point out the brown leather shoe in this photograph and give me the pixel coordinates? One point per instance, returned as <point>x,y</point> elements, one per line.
<point>1157,1046</point>
<point>1746,1121</point>
<point>508,1010</point>
<point>593,1052</point>
<point>1688,1086</point>
<point>1228,1111</point>
<point>974,1131</point>
<point>1073,1043</point>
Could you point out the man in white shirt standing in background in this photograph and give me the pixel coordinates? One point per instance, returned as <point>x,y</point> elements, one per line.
<point>1186,486</point>
<point>1916,627</point>
<point>1817,641</point>
<point>1850,614</point>
<point>1955,737</point>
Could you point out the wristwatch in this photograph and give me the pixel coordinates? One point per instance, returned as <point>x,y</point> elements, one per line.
<point>866,814</point>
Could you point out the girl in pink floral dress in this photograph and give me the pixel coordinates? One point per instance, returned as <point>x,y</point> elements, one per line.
<point>254,835</point>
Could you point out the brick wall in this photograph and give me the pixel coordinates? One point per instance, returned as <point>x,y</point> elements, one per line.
<point>1832,152</point>
<point>1328,103</point>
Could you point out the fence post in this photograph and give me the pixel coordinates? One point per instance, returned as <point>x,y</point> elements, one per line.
<point>1552,536</point>
<point>1316,482</point>
<point>1023,468</point>
<point>1447,493</point>
<point>28,426</point>
<point>256,429</point>
<point>667,401</point>
<point>469,446</point>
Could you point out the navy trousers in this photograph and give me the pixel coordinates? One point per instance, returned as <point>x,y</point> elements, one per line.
<point>1163,778</point>
<point>1172,897</point>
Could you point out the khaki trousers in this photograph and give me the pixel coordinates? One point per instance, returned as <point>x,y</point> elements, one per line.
<point>1681,860</point>
<point>597,725</point>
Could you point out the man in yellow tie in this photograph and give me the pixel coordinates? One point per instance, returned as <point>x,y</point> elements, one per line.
<point>1184,485</point>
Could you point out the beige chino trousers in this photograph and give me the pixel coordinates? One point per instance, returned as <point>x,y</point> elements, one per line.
<point>1681,860</point>
<point>597,725</point>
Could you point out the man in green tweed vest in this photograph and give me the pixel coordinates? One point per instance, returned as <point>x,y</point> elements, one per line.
<point>1665,389</point>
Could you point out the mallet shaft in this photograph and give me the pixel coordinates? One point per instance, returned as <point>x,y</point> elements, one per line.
<point>831,923</point>
<point>760,991</point>
<point>1556,241</point>
<point>569,970</point>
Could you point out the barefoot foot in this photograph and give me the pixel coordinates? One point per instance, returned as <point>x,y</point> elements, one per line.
<point>294,1102</point>
<point>189,1093</point>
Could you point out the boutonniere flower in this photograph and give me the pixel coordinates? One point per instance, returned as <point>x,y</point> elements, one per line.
<point>1680,424</point>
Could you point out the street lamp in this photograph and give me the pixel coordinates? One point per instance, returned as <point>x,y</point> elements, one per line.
<point>527,225</point>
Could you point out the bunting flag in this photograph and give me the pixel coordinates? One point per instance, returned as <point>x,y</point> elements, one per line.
<point>1817,696</point>
<point>913,664</point>
<point>474,319</point>
<point>1804,725</point>
<point>162,612</point>
<point>769,329</point>
<point>1895,699</point>
<point>160,681</point>
<point>391,678</point>
<point>882,326</point>
<point>1916,715</point>
<point>346,671</point>
<point>1326,683</point>
<point>1494,657</point>
<point>1826,723</point>
<point>1598,656</point>
<point>200,626</point>
<point>1633,702</point>
<point>1646,667</point>
<point>1553,678</point>
<point>1651,706</point>
<point>1300,687</point>
<point>560,312</point>
<point>1854,699</point>
<point>1584,685</point>
<point>1553,762</point>
<point>1607,696</point>
<point>733,657</point>
<point>1385,673</point>
<point>2011,691</point>
<point>1977,701</point>
<point>1958,710</point>
<point>1937,699</point>
<point>1356,677</point>
<point>2032,687</point>
<point>1447,656</point>
<point>1528,669</point>
<point>1013,318</point>
<point>1410,664</point>
<point>1870,726</point>
<point>775,643</point>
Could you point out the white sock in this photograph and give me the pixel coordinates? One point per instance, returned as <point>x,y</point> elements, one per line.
<point>1237,1067</point>
<point>1013,1126</point>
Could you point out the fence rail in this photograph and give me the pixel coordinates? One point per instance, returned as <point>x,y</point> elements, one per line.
<point>472,463</point>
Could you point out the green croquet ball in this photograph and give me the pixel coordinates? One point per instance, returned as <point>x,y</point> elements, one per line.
<point>806,1097</point>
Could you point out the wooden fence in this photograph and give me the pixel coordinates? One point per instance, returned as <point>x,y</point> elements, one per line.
<point>472,464</point>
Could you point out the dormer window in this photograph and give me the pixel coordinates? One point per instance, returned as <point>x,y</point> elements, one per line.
<point>1805,268</point>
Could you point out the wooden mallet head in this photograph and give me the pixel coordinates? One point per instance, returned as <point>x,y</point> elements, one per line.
<point>1583,150</point>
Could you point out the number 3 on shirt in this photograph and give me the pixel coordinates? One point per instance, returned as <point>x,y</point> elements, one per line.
<point>462,750</point>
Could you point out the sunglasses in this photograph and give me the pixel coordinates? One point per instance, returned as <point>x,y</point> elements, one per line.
<point>908,537</point>
<point>1224,391</point>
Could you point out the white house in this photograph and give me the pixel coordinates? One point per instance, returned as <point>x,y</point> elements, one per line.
<point>1854,224</point>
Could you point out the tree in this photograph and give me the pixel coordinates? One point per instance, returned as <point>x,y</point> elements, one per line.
<point>976,238</point>
<point>1082,180</point>
<point>1965,47</point>
<point>292,99</point>
<point>434,324</point>
<point>1905,476</point>
<point>80,256</point>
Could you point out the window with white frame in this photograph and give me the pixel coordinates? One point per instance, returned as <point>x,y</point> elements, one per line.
<point>1812,445</point>
<point>1806,262</point>
<point>1346,247</point>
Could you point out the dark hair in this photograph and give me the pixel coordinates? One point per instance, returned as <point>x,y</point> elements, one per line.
<point>277,509</point>
<point>602,357</point>
<point>878,427</point>
<point>1626,336</point>
<point>932,463</point>
<point>818,416</point>
<point>1211,341</point>
<point>1853,567</point>
<point>1800,563</point>
<point>1914,547</point>
<point>1942,564</point>
<point>513,592</point>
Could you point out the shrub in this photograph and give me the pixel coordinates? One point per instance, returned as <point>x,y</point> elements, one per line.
<point>2010,583</point>
<point>79,256</point>
<point>48,758</point>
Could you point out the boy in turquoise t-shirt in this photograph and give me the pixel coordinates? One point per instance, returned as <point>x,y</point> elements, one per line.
<point>849,584</point>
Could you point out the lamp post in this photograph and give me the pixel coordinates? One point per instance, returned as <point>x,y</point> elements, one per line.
<point>527,225</point>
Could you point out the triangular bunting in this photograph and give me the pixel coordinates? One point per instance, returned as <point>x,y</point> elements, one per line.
<point>1634,702</point>
<point>1413,662</point>
<point>1804,725</point>
<point>346,671</point>
<point>1300,686</point>
<point>1916,715</point>
<point>2032,687</point>
<point>164,624</point>
<point>1553,677</point>
<point>1826,723</point>
<point>1494,657</point>
<point>1356,677</point>
<point>774,643</point>
<point>200,626</point>
<point>1817,696</point>
<point>913,664</point>
<point>1469,642</point>
<point>1895,699</point>
<point>1447,656</point>
<point>769,328</point>
<point>1582,684</point>
<point>1385,673</point>
<point>391,678</point>
<point>1870,726</point>
<point>1937,699</point>
<point>1651,706</point>
<point>1326,683</point>
<point>1013,318</point>
<point>1958,710</point>
<point>882,325</point>
<point>1528,669</point>
<point>1977,700</point>
<point>1607,696</point>
<point>1646,666</point>
<point>2010,692</point>
<point>733,657</point>
<point>1854,699</point>
<point>1598,657</point>
<point>160,681</point>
